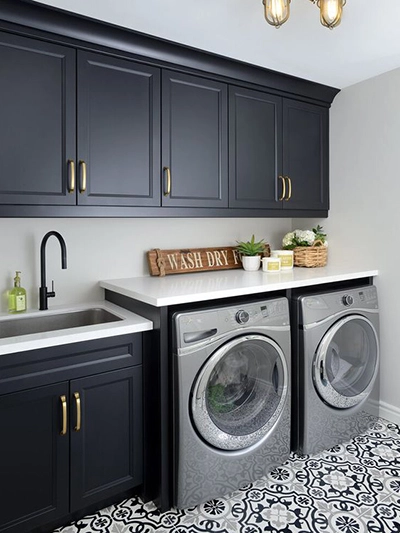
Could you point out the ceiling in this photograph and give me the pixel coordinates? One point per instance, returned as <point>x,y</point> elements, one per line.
<point>366,43</point>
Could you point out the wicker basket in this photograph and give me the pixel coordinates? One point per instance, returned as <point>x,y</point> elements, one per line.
<point>310,256</point>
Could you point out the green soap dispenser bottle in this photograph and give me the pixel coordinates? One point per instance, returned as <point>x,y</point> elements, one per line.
<point>17,296</point>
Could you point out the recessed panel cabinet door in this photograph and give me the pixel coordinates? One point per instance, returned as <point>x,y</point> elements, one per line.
<point>34,458</point>
<point>305,155</point>
<point>106,435</point>
<point>255,162</point>
<point>37,121</point>
<point>194,141</point>
<point>118,132</point>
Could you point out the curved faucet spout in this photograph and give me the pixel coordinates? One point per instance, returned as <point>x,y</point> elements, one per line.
<point>44,294</point>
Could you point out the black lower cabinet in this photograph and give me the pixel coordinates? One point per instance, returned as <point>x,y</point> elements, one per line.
<point>66,446</point>
<point>106,446</point>
<point>34,458</point>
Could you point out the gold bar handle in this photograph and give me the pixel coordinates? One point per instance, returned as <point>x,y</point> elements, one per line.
<point>63,400</point>
<point>71,180</point>
<point>78,411</point>
<point>82,166</point>
<point>283,188</point>
<point>167,172</point>
<point>289,195</point>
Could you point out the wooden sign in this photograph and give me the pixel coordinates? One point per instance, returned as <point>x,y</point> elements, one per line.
<point>164,262</point>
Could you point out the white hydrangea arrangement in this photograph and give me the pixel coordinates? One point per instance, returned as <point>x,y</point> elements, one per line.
<point>300,237</point>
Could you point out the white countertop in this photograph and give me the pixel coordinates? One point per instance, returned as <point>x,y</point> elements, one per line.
<point>186,288</point>
<point>130,323</point>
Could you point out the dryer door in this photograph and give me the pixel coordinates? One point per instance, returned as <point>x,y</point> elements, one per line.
<point>346,362</point>
<point>240,392</point>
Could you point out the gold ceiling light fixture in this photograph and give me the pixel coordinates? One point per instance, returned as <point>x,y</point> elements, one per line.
<point>277,11</point>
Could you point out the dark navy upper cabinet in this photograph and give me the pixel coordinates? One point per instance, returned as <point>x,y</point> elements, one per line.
<point>255,162</point>
<point>37,121</point>
<point>278,152</point>
<point>305,155</point>
<point>194,141</point>
<point>118,132</point>
<point>105,122</point>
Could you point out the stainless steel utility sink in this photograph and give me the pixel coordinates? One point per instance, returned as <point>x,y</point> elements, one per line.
<point>47,322</point>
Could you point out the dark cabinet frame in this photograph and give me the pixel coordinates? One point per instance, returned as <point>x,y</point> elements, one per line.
<point>29,19</point>
<point>194,141</point>
<point>255,148</point>
<point>118,107</point>
<point>53,463</point>
<point>50,140</point>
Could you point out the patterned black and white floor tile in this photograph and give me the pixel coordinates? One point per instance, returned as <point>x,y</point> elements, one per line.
<point>352,488</point>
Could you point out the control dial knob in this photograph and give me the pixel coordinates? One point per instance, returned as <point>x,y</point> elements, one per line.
<point>242,316</point>
<point>347,300</point>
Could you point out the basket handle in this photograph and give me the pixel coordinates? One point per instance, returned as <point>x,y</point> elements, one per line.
<point>318,242</point>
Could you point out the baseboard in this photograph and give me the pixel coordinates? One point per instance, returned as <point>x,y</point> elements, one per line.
<point>389,412</point>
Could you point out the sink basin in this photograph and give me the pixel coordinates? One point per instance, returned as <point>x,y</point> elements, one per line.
<point>46,322</point>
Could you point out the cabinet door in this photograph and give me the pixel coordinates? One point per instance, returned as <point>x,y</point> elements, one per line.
<point>34,458</point>
<point>106,447</point>
<point>194,141</point>
<point>255,162</point>
<point>37,121</point>
<point>306,155</point>
<point>118,132</point>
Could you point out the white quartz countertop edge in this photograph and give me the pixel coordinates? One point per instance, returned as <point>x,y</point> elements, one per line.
<point>196,287</point>
<point>131,323</point>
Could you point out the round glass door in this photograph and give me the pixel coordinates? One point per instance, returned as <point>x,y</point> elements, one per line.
<point>346,362</point>
<point>240,392</point>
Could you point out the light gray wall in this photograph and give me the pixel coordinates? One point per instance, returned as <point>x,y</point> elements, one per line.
<point>363,222</point>
<point>110,248</point>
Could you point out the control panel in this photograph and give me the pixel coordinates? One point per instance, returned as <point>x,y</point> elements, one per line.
<point>319,306</point>
<point>204,325</point>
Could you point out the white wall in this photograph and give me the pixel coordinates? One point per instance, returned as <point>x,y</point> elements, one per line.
<point>109,248</point>
<point>364,221</point>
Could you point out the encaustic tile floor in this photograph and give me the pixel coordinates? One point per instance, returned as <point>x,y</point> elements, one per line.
<point>351,488</point>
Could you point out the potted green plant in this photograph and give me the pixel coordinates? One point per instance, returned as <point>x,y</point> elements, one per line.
<point>251,252</point>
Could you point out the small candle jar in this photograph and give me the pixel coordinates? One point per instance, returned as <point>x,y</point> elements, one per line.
<point>271,264</point>
<point>286,257</point>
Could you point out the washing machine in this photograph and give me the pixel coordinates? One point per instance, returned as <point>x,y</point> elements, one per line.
<point>231,397</point>
<point>335,367</point>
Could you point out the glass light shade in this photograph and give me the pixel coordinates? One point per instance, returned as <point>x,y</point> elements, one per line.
<point>331,12</point>
<point>276,12</point>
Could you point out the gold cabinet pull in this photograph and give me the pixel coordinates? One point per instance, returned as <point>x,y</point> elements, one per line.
<point>78,411</point>
<point>71,177</point>
<point>283,188</point>
<point>63,400</point>
<point>289,195</point>
<point>82,166</point>
<point>167,172</point>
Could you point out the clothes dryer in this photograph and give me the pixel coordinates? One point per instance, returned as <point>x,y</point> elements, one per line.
<point>231,397</point>
<point>335,367</point>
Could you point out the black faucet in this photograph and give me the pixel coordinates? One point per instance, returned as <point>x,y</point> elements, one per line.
<point>43,292</point>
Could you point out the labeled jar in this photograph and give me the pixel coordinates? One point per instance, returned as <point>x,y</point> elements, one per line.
<point>271,264</point>
<point>286,257</point>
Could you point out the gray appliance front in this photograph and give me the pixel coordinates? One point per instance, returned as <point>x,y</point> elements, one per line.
<point>346,362</point>
<point>340,394</point>
<point>232,398</point>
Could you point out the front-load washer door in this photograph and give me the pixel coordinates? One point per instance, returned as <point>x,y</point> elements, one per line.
<point>240,392</point>
<point>346,362</point>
